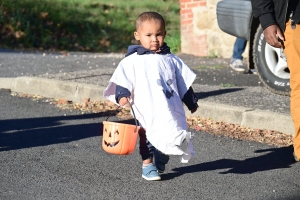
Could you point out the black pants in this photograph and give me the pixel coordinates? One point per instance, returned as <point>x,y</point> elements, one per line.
<point>146,148</point>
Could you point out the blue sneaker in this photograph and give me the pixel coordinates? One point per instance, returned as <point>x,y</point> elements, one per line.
<point>160,160</point>
<point>150,173</point>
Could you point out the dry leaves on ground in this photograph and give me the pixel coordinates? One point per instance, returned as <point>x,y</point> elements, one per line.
<point>234,131</point>
<point>240,132</point>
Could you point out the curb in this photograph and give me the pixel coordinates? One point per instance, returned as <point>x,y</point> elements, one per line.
<point>53,88</point>
<point>248,117</point>
<point>77,92</point>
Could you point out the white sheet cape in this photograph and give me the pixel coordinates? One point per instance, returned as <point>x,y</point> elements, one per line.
<point>157,84</point>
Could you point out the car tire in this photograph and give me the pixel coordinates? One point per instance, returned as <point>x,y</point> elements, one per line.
<point>271,67</point>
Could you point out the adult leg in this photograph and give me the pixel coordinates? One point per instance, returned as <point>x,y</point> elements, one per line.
<point>292,52</point>
<point>236,61</point>
<point>239,48</point>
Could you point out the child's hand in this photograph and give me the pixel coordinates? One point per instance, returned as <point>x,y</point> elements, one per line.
<point>123,101</point>
<point>194,110</point>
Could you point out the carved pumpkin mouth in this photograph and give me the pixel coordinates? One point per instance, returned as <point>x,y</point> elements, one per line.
<point>111,144</point>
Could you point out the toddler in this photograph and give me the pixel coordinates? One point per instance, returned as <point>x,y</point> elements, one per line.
<point>155,82</point>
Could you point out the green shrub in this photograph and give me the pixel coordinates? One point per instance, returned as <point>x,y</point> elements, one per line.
<point>80,25</point>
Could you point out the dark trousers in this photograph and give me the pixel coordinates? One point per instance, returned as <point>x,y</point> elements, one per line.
<point>146,148</point>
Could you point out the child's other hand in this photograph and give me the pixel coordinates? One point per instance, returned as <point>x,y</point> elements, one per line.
<point>194,110</point>
<point>123,101</point>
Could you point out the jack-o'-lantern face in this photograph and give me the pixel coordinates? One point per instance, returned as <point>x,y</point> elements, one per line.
<point>119,138</point>
<point>112,139</point>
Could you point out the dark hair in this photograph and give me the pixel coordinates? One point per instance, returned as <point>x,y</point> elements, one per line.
<point>147,16</point>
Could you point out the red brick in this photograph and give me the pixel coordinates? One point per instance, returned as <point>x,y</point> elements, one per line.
<point>202,37</point>
<point>193,44</point>
<point>184,29</point>
<point>186,37</point>
<point>190,15</point>
<point>200,41</point>
<point>182,5</point>
<point>192,5</point>
<point>185,11</point>
<point>187,28</point>
<point>185,22</point>
<point>186,16</point>
<point>203,3</point>
<point>183,17</point>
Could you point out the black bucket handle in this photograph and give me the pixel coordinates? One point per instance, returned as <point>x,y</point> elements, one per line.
<point>136,122</point>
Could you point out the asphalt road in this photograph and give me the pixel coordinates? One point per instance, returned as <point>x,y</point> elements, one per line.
<point>48,153</point>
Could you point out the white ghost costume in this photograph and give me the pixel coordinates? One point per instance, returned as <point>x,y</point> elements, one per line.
<point>157,84</point>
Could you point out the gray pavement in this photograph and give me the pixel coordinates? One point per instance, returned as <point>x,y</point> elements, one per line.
<point>50,153</point>
<point>47,153</point>
<point>224,95</point>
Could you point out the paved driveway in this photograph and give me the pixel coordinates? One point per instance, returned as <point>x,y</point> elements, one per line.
<point>48,153</point>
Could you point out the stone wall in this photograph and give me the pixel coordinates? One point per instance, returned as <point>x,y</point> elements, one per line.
<point>200,33</point>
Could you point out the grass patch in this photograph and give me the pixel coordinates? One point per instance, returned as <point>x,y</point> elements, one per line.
<point>212,54</point>
<point>227,85</point>
<point>81,25</point>
<point>201,67</point>
<point>218,66</point>
<point>206,67</point>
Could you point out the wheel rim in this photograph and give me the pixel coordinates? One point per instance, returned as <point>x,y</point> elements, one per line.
<point>275,63</point>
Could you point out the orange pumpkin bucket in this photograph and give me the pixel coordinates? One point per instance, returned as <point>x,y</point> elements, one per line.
<point>119,138</point>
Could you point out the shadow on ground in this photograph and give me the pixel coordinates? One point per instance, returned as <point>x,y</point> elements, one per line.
<point>203,95</point>
<point>273,158</point>
<point>34,132</point>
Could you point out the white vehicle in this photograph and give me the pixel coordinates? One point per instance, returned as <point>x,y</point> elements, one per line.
<point>235,18</point>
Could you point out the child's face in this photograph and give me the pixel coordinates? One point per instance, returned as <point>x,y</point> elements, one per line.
<point>151,34</point>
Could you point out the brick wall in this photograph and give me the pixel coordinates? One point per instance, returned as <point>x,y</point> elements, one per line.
<point>190,42</point>
<point>200,33</point>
